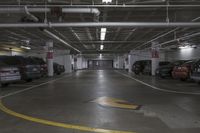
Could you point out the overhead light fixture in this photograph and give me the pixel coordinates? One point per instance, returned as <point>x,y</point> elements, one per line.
<point>100,56</point>
<point>26,47</point>
<point>101,47</point>
<point>103,30</point>
<point>106,1</point>
<point>187,47</point>
<point>103,34</point>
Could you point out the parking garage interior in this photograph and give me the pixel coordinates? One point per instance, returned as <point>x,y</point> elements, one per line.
<point>100,66</point>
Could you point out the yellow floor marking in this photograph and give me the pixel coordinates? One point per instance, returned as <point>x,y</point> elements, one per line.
<point>113,102</point>
<point>57,124</point>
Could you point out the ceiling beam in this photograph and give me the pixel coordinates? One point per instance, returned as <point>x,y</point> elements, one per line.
<point>109,6</point>
<point>103,24</point>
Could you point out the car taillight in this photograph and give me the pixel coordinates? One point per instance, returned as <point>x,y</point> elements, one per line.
<point>3,73</point>
<point>44,65</point>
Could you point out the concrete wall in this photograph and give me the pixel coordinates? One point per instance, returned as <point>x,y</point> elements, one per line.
<point>81,63</point>
<point>183,54</point>
<point>64,60</point>
<point>119,62</point>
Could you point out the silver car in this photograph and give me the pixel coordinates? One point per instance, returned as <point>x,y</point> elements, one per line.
<point>8,74</point>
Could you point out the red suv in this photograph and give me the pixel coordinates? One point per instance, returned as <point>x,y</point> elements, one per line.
<point>183,72</point>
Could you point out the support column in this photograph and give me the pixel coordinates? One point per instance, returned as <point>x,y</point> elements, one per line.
<point>49,44</point>
<point>129,63</point>
<point>154,58</point>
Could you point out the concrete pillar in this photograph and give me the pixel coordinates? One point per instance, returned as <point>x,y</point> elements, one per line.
<point>154,58</point>
<point>129,63</point>
<point>49,44</point>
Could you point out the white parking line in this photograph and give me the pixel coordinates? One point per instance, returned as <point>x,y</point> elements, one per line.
<point>32,87</point>
<point>19,85</point>
<point>156,88</point>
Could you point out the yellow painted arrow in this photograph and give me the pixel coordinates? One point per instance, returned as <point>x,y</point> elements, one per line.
<point>117,103</point>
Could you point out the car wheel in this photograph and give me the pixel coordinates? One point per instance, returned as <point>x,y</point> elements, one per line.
<point>136,73</point>
<point>28,80</point>
<point>162,76</point>
<point>183,79</point>
<point>4,84</point>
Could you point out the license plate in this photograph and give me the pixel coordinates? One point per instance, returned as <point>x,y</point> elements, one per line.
<point>34,69</point>
<point>198,70</point>
<point>179,68</point>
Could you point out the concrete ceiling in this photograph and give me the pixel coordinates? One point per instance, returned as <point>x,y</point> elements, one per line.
<point>118,39</point>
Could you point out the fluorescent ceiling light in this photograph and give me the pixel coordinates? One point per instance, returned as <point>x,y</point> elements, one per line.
<point>106,1</point>
<point>103,30</point>
<point>185,47</point>
<point>100,56</point>
<point>101,47</point>
<point>103,34</point>
<point>25,47</point>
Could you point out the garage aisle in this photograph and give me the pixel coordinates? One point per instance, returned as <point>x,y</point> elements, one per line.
<point>70,105</point>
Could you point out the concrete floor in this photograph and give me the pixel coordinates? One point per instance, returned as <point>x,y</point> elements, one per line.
<point>69,100</point>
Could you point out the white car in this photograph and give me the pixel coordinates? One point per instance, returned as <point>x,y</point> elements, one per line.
<point>8,74</point>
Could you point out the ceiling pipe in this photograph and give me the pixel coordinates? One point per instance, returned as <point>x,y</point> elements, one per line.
<point>25,9</point>
<point>103,24</point>
<point>60,40</point>
<point>163,35</point>
<point>34,18</point>
<point>178,39</point>
<point>108,6</point>
<point>81,10</point>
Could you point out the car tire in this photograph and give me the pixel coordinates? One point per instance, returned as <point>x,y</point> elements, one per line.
<point>183,79</point>
<point>4,84</point>
<point>28,80</point>
<point>136,73</point>
<point>163,77</point>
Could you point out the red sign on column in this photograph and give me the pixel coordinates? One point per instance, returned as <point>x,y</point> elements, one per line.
<point>49,55</point>
<point>155,53</point>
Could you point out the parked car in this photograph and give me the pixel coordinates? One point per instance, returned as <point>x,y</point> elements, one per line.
<point>139,66</point>
<point>183,72</point>
<point>166,71</point>
<point>148,66</point>
<point>43,66</point>
<point>58,69</point>
<point>8,74</point>
<point>195,73</point>
<point>27,67</point>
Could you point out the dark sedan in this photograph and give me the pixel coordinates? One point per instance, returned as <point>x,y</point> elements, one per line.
<point>195,74</point>
<point>138,66</point>
<point>166,71</point>
<point>148,67</point>
<point>58,69</point>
